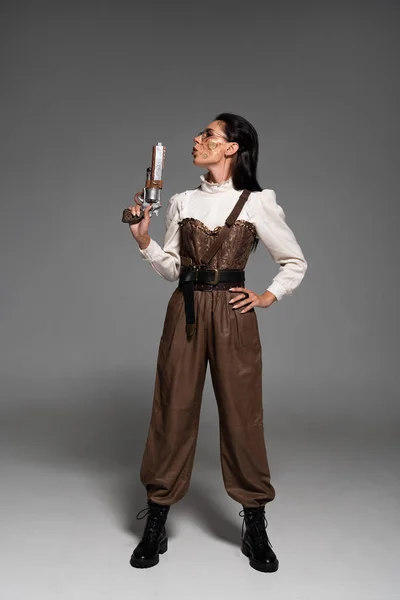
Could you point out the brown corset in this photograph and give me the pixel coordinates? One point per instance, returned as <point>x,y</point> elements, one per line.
<point>196,239</point>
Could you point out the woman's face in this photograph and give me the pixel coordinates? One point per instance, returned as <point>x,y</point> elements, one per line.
<point>210,145</point>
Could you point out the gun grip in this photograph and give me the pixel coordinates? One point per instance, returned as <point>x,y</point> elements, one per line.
<point>128,217</point>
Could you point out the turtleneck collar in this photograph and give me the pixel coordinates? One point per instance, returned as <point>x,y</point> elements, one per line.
<point>215,188</point>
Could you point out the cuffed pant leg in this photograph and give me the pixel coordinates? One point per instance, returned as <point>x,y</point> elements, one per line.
<point>235,356</point>
<point>171,443</point>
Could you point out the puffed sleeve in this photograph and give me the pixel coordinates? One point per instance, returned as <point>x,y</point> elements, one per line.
<point>166,261</point>
<point>270,222</point>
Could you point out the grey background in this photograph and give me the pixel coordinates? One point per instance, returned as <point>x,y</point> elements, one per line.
<point>86,90</point>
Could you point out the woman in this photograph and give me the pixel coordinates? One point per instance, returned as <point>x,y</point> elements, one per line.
<point>222,330</point>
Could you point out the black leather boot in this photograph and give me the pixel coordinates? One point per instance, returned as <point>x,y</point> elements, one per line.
<point>154,540</point>
<point>255,543</point>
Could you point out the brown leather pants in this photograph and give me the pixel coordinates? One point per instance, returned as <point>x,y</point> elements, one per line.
<point>230,342</point>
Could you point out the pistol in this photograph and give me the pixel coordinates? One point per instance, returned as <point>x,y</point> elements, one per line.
<point>151,193</point>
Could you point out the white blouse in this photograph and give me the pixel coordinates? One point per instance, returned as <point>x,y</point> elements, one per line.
<point>211,203</point>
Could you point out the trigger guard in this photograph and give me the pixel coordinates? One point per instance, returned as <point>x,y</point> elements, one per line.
<point>138,199</point>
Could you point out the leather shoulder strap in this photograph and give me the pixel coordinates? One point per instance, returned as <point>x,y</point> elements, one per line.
<point>223,234</point>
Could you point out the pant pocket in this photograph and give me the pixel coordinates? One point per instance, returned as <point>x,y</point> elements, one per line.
<point>175,310</point>
<point>248,329</point>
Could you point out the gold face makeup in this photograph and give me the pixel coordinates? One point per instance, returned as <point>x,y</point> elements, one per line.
<point>209,142</point>
<point>212,146</point>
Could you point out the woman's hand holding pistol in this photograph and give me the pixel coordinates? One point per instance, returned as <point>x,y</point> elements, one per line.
<point>140,230</point>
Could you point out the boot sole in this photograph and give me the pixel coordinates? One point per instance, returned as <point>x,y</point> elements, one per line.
<point>145,563</point>
<point>271,568</point>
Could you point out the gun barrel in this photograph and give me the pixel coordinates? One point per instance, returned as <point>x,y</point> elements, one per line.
<point>158,157</point>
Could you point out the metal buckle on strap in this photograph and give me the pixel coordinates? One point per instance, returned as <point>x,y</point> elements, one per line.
<point>216,277</point>
<point>214,281</point>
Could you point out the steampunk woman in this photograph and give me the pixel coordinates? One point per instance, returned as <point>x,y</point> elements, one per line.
<point>210,318</point>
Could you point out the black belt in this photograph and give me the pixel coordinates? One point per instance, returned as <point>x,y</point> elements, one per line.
<point>192,278</point>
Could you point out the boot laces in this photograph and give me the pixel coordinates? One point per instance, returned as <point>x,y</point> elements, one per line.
<point>257,523</point>
<point>154,522</point>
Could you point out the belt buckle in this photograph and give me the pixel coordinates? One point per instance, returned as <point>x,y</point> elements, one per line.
<point>216,277</point>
